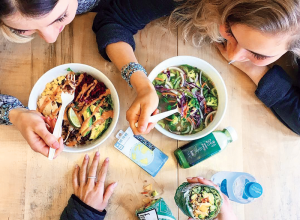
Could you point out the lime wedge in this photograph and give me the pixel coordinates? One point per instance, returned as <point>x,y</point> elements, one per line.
<point>73,119</point>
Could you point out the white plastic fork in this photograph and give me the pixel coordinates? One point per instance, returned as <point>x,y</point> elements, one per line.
<point>66,99</point>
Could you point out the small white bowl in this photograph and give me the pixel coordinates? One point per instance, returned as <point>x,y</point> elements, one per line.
<point>76,67</point>
<point>214,75</point>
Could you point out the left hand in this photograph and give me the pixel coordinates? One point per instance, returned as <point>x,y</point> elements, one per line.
<point>88,190</point>
<point>254,72</point>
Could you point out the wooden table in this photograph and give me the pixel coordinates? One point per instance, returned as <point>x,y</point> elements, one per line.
<point>32,187</point>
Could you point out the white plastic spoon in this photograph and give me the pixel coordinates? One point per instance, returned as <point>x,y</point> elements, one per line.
<point>163,115</point>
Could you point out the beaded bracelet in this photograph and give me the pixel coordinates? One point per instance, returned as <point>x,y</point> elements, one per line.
<point>129,69</point>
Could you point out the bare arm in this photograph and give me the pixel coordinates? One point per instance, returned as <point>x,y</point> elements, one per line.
<point>146,102</point>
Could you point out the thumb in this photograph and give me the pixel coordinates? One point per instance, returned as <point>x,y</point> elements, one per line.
<point>109,191</point>
<point>144,119</point>
<point>48,138</point>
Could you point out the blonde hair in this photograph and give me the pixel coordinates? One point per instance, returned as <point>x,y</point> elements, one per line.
<point>200,19</point>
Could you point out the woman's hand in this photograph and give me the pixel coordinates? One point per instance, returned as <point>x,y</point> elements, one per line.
<point>34,128</point>
<point>226,212</point>
<point>88,190</point>
<point>144,105</point>
<point>254,72</point>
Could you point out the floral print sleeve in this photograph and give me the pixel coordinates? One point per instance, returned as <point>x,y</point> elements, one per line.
<point>8,103</point>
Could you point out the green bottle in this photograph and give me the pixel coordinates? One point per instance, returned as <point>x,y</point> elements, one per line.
<point>198,150</point>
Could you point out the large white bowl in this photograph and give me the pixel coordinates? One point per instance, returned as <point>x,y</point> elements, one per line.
<point>76,67</point>
<point>212,73</point>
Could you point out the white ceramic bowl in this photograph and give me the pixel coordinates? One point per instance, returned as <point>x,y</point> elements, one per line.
<point>212,73</point>
<point>76,67</point>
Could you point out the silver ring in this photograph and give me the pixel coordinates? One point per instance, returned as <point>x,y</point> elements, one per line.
<point>92,177</point>
<point>231,61</point>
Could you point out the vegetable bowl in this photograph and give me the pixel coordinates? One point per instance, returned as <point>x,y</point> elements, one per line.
<point>92,116</point>
<point>197,89</point>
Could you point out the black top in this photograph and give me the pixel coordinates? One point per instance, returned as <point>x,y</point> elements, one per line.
<point>78,210</point>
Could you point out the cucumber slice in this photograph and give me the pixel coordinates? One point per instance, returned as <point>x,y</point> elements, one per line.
<point>73,119</point>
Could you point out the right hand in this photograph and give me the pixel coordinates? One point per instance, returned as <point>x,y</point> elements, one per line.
<point>226,212</point>
<point>144,105</point>
<point>33,128</point>
<point>88,190</point>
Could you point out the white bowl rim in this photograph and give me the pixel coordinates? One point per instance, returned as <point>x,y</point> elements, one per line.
<point>108,84</point>
<point>198,135</point>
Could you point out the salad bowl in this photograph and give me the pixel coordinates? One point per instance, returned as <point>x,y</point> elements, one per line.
<point>219,85</point>
<point>62,70</point>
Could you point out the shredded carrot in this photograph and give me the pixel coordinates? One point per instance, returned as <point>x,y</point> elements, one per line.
<point>211,117</point>
<point>203,85</point>
<point>159,79</point>
<point>205,111</point>
<point>168,119</point>
<point>144,193</point>
<point>169,93</point>
<point>172,101</point>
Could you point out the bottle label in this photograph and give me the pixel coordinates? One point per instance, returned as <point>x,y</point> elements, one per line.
<point>200,150</point>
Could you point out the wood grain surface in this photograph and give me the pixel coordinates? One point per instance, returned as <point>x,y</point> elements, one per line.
<point>31,187</point>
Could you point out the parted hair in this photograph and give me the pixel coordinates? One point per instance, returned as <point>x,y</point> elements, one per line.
<point>28,8</point>
<point>199,20</point>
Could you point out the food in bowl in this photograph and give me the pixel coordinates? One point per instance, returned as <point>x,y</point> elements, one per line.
<point>198,201</point>
<point>193,92</point>
<point>87,117</point>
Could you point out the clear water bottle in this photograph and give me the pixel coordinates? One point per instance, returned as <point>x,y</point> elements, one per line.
<point>239,187</point>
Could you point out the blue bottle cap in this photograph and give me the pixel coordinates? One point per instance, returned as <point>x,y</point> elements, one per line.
<point>253,189</point>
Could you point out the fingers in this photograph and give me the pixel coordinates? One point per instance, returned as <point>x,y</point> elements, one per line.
<point>202,181</point>
<point>75,178</point>
<point>83,170</point>
<point>132,116</point>
<point>109,191</point>
<point>102,174</point>
<point>61,147</point>
<point>48,138</point>
<point>93,168</point>
<point>144,119</point>
<point>36,143</point>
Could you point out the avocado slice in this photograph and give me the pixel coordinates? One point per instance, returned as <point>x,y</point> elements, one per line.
<point>92,107</point>
<point>211,198</point>
<point>97,130</point>
<point>86,114</point>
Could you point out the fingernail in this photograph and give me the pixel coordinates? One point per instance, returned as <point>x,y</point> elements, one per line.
<point>106,159</point>
<point>115,184</point>
<point>97,153</point>
<point>142,128</point>
<point>199,177</point>
<point>76,166</point>
<point>86,156</point>
<point>55,145</point>
<point>189,178</point>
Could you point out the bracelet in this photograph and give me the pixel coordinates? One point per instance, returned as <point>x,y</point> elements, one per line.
<point>129,69</point>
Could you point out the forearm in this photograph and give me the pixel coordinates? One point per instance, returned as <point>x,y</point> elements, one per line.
<point>255,73</point>
<point>120,54</point>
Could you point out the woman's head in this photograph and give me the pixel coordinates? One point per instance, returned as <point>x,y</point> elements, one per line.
<point>260,31</point>
<point>21,19</point>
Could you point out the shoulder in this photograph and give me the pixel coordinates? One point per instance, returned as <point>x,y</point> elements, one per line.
<point>86,6</point>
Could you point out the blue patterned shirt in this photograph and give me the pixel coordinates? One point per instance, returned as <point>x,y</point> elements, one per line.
<point>86,6</point>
